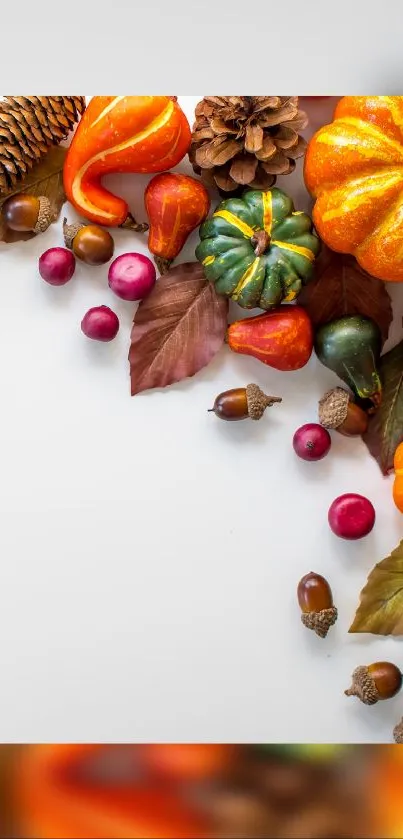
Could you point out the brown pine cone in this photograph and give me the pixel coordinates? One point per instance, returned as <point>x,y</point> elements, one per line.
<point>28,126</point>
<point>246,141</point>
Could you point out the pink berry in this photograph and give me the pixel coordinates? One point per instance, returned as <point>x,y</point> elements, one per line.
<point>57,266</point>
<point>351,516</point>
<point>100,324</point>
<point>131,276</point>
<point>311,441</point>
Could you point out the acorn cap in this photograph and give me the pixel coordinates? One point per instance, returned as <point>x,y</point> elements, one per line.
<point>363,686</point>
<point>321,621</point>
<point>70,232</point>
<point>258,401</point>
<point>45,215</point>
<point>333,407</point>
<point>398,732</point>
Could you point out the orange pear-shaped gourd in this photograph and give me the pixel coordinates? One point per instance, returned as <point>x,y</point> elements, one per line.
<point>176,204</point>
<point>281,338</point>
<point>121,134</point>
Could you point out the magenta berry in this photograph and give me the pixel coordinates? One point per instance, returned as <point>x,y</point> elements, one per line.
<point>131,276</point>
<point>57,266</point>
<point>100,323</point>
<point>351,516</point>
<point>311,441</point>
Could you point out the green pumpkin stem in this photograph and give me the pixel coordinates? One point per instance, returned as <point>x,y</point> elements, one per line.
<point>262,241</point>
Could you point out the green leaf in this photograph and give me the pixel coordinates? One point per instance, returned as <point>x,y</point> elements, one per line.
<point>45,178</point>
<point>385,428</point>
<point>381,601</point>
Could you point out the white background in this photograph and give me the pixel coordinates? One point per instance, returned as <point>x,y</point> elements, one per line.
<point>150,553</point>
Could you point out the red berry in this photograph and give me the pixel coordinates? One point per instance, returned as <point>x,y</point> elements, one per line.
<point>351,516</point>
<point>311,441</point>
<point>57,266</point>
<point>100,324</point>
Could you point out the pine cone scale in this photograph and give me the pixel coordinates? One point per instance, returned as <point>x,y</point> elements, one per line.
<point>29,125</point>
<point>246,140</point>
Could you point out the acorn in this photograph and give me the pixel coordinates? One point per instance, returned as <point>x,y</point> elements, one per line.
<point>398,732</point>
<point>371,683</point>
<point>338,411</point>
<point>316,603</point>
<point>243,403</point>
<point>27,213</point>
<point>89,242</point>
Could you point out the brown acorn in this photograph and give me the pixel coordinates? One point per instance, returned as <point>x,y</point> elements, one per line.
<point>243,403</point>
<point>398,732</point>
<point>23,212</point>
<point>316,603</point>
<point>337,411</point>
<point>89,242</point>
<point>373,682</point>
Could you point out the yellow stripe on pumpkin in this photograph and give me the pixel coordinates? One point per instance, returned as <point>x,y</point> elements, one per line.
<point>267,211</point>
<point>246,278</point>
<point>290,296</point>
<point>360,195</point>
<point>247,231</point>
<point>332,137</point>
<point>208,260</point>
<point>306,252</point>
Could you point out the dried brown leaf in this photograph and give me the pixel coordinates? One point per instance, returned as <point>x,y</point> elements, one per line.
<point>341,287</point>
<point>177,329</point>
<point>380,611</point>
<point>385,428</point>
<point>45,178</point>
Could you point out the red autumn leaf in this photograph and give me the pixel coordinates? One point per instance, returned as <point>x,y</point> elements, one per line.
<point>177,329</point>
<point>341,287</point>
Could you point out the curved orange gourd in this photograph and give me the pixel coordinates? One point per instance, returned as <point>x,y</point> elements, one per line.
<point>354,169</point>
<point>176,204</point>
<point>55,801</point>
<point>121,134</point>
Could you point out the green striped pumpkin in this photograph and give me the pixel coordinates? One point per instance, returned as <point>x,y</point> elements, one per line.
<point>257,250</point>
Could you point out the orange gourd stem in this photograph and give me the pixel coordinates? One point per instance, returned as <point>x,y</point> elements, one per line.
<point>138,134</point>
<point>175,204</point>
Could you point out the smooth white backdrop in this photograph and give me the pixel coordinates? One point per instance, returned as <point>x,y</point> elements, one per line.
<point>150,553</point>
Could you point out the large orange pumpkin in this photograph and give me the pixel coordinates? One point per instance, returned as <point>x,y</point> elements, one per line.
<point>354,169</point>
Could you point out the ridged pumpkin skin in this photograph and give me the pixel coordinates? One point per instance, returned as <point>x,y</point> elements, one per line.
<point>121,134</point>
<point>354,169</point>
<point>282,338</point>
<point>228,250</point>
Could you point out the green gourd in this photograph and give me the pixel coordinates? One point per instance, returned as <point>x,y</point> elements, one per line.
<point>257,249</point>
<point>351,347</point>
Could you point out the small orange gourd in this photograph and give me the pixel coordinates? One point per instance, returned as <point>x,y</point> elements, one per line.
<point>176,204</point>
<point>398,481</point>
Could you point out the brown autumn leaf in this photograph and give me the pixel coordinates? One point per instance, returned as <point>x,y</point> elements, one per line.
<point>380,611</point>
<point>385,427</point>
<point>341,287</point>
<point>45,178</point>
<point>177,329</point>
